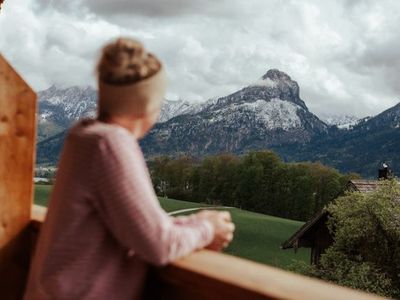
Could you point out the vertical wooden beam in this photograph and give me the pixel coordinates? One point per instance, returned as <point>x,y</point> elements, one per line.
<point>17,154</point>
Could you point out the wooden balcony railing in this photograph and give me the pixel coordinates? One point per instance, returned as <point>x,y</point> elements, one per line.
<point>202,275</point>
<point>211,275</point>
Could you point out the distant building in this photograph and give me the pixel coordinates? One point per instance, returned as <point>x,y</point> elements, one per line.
<point>40,179</point>
<point>314,234</point>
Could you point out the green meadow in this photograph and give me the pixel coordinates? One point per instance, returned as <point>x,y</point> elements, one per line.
<point>257,236</point>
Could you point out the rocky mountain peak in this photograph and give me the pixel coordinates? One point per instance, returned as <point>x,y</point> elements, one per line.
<point>275,84</point>
<point>56,95</point>
<point>51,89</point>
<point>276,75</point>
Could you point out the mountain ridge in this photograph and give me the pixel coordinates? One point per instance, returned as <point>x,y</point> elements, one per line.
<point>268,114</point>
<point>257,116</point>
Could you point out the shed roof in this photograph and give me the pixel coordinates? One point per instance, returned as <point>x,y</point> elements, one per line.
<point>293,241</point>
<point>363,186</point>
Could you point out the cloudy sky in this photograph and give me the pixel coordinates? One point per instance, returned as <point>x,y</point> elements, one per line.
<point>343,53</point>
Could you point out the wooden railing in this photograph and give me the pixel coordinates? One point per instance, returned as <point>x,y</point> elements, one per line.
<point>211,275</point>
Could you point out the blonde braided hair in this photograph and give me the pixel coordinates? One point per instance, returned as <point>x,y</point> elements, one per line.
<point>125,61</point>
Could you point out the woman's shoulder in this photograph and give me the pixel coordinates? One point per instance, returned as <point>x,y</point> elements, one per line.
<point>95,130</point>
<point>99,140</point>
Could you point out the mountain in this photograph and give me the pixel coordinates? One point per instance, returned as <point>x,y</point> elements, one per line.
<point>172,108</point>
<point>341,121</point>
<point>59,108</point>
<point>268,114</point>
<point>264,114</point>
<point>361,149</point>
<point>389,119</point>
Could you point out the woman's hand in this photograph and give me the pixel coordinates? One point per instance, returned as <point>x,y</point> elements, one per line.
<point>223,228</point>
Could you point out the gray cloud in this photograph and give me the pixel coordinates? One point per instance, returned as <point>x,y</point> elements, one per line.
<point>343,53</point>
<point>148,8</point>
<point>159,8</point>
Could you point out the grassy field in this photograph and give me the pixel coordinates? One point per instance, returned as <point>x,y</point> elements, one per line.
<point>42,193</point>
<point>257,236</point>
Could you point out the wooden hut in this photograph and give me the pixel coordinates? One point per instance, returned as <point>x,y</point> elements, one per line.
<point>314,233</point>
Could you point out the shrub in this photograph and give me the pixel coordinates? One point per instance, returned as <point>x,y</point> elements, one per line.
<point>366,251</point>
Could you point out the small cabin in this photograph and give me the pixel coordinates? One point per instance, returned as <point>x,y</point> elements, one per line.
<point>314,233</point>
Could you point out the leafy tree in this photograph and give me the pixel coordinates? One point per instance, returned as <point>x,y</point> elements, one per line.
<point>159,174</point>
<point>204,186</point>
<point>326,184</point>
<point>224,178</point>
<point>300,199</point>
<point>179,178</point>
<point>172,177</point>
<point>366,250</point>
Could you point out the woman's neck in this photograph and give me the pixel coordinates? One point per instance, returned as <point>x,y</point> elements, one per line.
<point>132,125</point>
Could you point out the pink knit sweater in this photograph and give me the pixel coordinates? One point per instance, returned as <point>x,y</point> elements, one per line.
<point>104,224</point>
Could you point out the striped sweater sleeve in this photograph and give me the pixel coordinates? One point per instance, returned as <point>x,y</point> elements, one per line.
<point>126,201</point>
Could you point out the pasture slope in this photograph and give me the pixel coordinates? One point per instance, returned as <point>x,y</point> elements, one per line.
<point>257,236</point>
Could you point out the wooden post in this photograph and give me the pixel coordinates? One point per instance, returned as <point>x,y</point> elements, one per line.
<point>17,156</point>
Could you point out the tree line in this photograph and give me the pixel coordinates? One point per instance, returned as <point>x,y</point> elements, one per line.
<point>258,181</point>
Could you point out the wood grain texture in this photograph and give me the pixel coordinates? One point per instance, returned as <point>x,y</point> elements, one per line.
<point>17,152</point>
<point>216,276</point>
<point>210,275</point>
<point>17,144</point>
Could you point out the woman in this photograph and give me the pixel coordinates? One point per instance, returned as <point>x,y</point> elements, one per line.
<point>104,224</point>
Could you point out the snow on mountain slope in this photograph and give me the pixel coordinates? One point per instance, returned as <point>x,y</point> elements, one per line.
<point>68,105</point>
<point>172,109</point>
<point>341,121</point>
<point>273,114</point>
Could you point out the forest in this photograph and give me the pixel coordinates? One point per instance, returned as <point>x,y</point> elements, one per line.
<point>257,181</point>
